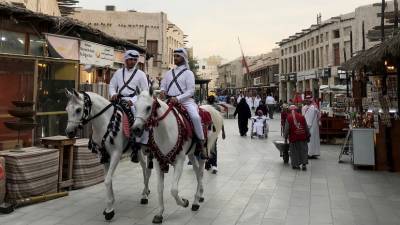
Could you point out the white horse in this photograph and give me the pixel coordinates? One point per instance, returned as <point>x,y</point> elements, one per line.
<point>166,133</point>
<point>87,106</point>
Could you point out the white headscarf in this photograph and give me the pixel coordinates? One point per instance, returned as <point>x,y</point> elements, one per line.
<point>183,53</point>
<point>132,54</point>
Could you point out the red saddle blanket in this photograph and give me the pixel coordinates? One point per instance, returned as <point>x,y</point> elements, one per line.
<point>205,116</point>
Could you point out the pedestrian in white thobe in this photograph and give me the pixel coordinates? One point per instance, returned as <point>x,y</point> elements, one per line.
<point>312,118</point>
<point>249,101</point>
<point>257,101</point>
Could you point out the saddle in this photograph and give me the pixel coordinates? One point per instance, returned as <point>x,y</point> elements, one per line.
<point>205,116</point>
<point>127,117</point>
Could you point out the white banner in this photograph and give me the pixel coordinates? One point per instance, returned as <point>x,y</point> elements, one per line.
<point>96,54</point>
<point>63,47</point>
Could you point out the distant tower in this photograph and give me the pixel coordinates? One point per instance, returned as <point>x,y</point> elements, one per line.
<point>319,18</point>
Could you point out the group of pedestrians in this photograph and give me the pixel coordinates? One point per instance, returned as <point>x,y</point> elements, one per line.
<point>245,105</point>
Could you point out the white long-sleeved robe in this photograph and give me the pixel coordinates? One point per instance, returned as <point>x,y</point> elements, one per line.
<point>312,119</point>
<point>187,83</point>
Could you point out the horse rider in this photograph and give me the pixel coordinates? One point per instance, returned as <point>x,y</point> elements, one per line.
<point>123,85</point>
<point>178,85</point>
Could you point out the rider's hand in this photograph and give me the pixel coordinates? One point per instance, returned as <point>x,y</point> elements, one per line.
<point>173,100</point>
<point>114,97</point>
<point>162,95</point>
<point>130,104</point>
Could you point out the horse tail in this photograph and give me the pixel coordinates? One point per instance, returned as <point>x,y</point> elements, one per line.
<point>223,132</point>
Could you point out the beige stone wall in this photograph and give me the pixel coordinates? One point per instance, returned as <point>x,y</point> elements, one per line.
<point>208,69</point>
<point>175,39</point>
<point>49,7</point>
<point>136,27</point>
<point>300,60</point>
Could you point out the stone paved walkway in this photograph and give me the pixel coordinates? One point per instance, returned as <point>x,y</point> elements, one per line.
<point>252,187</point>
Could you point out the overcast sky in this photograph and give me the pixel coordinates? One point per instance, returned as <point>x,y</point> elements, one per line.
<point>214,25</point>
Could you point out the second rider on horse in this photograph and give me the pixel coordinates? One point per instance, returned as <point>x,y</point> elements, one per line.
<point>178,85</point>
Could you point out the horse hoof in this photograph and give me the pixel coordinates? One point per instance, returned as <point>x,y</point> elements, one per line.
<point>144,201</point>
<point>157,219</point>
<point>109,215</point>
<point>201,199</point>
<point>185,203</point>
<point>195,207</point>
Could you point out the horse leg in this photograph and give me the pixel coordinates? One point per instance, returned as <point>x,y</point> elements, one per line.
<point>146,177</point>
<point>178,168</point>
<point>196,169</point>
<point>158,218</point>
<point>201,173</point>
<point>110,169</point>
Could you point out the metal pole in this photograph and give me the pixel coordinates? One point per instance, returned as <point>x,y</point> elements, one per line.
<point>351,44</point>
<point>396,14</point>
<point>398,87</point>
<point>383,20</point>
<point>363,36</point>
<point>347,75</point>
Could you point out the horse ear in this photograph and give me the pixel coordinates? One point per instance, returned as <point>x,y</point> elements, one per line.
<point>137,90</point>
<point>76,94</point>
<point>68,93</point>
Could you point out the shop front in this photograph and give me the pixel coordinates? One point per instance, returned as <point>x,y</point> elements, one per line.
<point>375,100</point>
<point>40,80</point>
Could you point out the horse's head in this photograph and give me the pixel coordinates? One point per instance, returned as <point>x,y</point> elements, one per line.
<point>75,110</point>
<point>143,110</point>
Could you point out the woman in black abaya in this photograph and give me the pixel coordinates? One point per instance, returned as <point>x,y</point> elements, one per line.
<point>244,114</point>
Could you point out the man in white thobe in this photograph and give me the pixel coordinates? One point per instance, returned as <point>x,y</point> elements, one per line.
<point>239,98</point>
<point>257,101</point>
<point>312,115</point>
<point>178,85</point>
<point>270,102</point>
<point>123,85</point>
<point>249,101</point>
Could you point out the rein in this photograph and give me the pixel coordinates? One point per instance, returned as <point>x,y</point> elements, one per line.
<point>87,108</point>
<point>112,129</point>
<point>153,121</point>
<point>165,160</point>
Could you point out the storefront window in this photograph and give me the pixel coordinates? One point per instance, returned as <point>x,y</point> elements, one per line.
<point>53,78</point>
<point>16,83</point>
<point>12,42</point>
<point>36,45</point>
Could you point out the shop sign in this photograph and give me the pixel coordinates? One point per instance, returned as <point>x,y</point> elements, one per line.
<point>63,47</point>
<point>283,77</point>
<point>324,73</point>
<point>342,74</point>
<point>276,78</point>
<point>292,77</point>
<point>96,54</point>
<point>257,81</point>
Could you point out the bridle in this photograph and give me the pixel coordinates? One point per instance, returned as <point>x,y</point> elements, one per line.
<point>87,109</point>
<point>153,120</point>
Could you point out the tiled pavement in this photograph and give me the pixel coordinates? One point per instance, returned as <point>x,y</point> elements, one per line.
<point>252,187</point>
